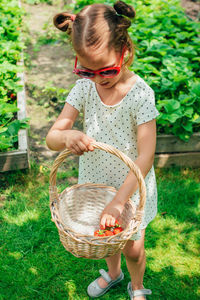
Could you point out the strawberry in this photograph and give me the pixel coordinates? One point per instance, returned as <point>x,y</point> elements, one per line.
<point>108,233</point>
<point>117,224</point>
<point>12,96</point>
<point>109,230</point>
<point>96,233</point>
<point>99,233</point>
<point>117,230</point>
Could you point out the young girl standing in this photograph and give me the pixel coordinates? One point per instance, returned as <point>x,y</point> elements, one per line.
<point>119,110</point>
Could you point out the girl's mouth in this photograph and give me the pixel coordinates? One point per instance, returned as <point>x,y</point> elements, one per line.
<point>104,83</point>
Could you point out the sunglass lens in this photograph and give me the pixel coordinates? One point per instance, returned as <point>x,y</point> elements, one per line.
<point>109,73</point>
<point>86,74</point>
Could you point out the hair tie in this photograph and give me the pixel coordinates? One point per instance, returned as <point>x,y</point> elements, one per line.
<point>73,17</point>
<point>123,16</point>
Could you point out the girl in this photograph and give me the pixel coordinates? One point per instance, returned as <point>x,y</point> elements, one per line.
<point>119,110</point>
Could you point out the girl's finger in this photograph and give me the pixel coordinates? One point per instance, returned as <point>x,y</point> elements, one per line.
<point>110,221</point>
<point>90,148</point>
<point>103,222</point>
<point>82,146</point>
<point>77,150</point>
<point>86,140</point>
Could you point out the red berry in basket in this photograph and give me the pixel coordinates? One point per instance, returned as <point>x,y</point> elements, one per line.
<point>96,233</point>
<point>117,224</point>
<point>99,233</point>
<point>117,230</point>
<point>108,233</point>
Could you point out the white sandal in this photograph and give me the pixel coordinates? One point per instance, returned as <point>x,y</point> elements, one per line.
<point>136,293</point>
<point>94,290</point>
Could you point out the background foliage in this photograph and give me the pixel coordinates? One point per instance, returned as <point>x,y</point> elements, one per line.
<point>167,57</point>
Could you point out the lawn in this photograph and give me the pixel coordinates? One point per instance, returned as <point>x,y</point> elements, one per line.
<point>35,265</point>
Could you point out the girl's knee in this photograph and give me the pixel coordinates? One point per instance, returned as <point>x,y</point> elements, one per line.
<point>133,252</point>
<point>136,256</point>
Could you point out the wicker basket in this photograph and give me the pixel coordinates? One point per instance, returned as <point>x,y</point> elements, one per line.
<point>77,210</point>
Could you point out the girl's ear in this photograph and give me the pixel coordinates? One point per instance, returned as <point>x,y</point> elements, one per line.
<point>63,21</point>
<point>127,55</point>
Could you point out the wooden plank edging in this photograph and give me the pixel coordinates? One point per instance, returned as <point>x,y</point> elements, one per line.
<point>189,159</point>
<point>18,159</point>
<point>172,144</point>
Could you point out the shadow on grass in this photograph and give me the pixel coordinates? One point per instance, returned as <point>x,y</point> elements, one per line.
<point>35,265</point>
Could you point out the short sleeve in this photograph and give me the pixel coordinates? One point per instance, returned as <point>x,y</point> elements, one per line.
<point>76,97</point>
<point>146,110</point>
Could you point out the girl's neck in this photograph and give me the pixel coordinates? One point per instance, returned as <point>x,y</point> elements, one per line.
<point>117,92</point>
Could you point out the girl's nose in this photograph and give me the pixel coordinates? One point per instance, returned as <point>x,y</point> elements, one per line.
<point>98,79</point>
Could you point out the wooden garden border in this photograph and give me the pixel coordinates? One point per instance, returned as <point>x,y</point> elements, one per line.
<point>18,159</point>
<point>171,151</point>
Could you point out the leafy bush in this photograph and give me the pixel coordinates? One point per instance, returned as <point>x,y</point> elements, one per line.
<point>10,53</point>
<point>167,57</point>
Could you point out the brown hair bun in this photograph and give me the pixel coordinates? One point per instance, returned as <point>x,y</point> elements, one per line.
<point>124,9</point>
<point>63,21</point>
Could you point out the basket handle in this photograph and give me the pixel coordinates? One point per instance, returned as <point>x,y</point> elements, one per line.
<point>112,150</point>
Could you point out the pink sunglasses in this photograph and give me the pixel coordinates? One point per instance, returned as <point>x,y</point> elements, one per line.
<point>106,72</point>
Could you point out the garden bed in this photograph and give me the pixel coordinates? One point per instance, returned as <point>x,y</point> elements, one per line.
<point>171,151</point>
<point>18,159</point>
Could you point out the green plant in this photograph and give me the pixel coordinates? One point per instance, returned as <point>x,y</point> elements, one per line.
<point>50,95</point>
<point>52,91</point>
<point>10,54</point>
<point>167,57</point>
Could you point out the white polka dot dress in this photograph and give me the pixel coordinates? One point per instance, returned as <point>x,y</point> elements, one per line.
<point>115,125</point>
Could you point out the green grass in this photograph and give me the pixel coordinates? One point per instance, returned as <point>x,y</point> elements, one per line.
<point>35,265</point>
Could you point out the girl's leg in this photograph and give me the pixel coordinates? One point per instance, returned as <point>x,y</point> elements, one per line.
<point>134,253</point>
<point>114,268</point>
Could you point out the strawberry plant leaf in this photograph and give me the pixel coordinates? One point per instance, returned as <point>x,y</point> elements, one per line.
<point>188,126</point>
<point>171,105</point>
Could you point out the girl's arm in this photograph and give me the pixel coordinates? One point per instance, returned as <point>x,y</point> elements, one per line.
<point>60,136</point>
<point>146,144</point>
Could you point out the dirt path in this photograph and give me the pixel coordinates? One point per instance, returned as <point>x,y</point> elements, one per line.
<point>192,8</point>
<point>45,64</point>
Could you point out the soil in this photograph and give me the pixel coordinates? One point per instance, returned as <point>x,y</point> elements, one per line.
<point>46,63</point>
<point>192,8</point>
<point>53,63</point>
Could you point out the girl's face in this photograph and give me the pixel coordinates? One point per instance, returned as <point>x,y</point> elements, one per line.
<point>97,59</point>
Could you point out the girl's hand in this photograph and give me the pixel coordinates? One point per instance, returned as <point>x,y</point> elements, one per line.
<point>111,213</point>
<point>78,142</point>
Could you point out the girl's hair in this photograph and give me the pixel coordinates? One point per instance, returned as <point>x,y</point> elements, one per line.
<point>99,23</point>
